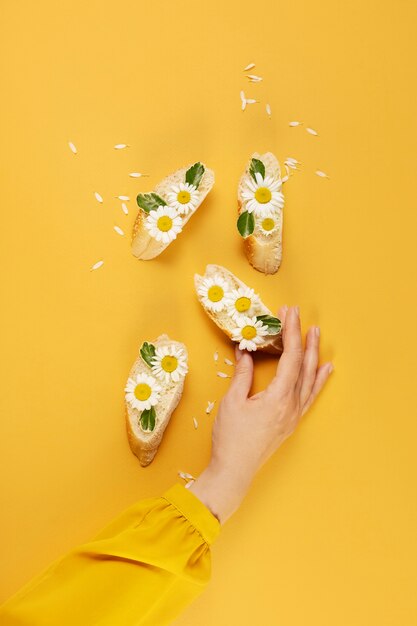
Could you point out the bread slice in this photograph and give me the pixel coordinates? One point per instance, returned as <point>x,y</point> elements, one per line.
<point>144,444</point>
<point>264,252</point>
<point>271,343</point>
<point>146,247</point>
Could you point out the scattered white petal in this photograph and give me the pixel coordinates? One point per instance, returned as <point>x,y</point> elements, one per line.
<point>72,147</point>
<point>98,197</point>
<point>222,375</point>
<point>253,78</point>
<point>321,174</point>
<point>249,67</point>
<point>295,124</point>
<point>250,101</point>
<point>243,105</point>
<point>268,109</point>
<point>311,131</point>
<point>292,163</point>
<point>210,407</point>
<point>97,265</point>
<point>216,356</point>
<point>125,198</point>
<point>242,96</point>
<point>185,476</point>
<point>195,423</point>
<point>118,230</point>
<point>284,179</point>
<point>228,362</point>
<point>125,209</point>
<point>137,174</point>
<point>120,146</point>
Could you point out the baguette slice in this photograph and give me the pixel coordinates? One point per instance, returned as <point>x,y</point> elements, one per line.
<point>146,247</point>
<point>144,444</point>
<point>264,252</point>
<point>271,343</point>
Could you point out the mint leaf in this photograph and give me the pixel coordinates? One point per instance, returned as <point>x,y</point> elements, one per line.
<point>147,352</point>
<point>147,419</point>
<point>194,175</point>
<point>246,223</point>
<point>149,201</point>
<point>273,323</point>
<point>256,166</point>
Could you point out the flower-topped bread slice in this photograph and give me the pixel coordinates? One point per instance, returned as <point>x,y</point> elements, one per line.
<point>260,204</point>
<point>152,393</point>
<point>238,310</point>
<point>164,212</point>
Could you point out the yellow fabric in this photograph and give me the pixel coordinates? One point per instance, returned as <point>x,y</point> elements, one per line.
<point>140,570</point>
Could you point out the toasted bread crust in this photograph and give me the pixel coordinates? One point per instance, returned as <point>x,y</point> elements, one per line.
<point>144,246</point>
<point>272,343</point>
<point>145,444</point>
<point>264,253</point>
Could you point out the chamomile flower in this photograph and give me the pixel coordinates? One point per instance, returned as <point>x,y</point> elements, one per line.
<point>142,392</point>
<point>169,363</point>
<point>249,333</point>
<point>183,197</point>
<point>213,291</point>
<point>268,225</point>
<point>263,196</point>
<point>241,302</point>
<point>164,224</point>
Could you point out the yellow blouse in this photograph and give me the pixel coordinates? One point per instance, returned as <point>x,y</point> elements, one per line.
<point>140,570</point>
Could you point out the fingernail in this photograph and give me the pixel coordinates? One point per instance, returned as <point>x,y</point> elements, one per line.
<point>297,310</point>
<point>285,308</point>
<point>238,353</point>
<point>317,331</point>
<point>330,368</point>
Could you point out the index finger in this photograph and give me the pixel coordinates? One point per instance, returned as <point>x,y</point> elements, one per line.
<point>290,363</point>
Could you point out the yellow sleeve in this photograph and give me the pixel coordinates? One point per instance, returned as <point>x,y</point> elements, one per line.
<point>141,570</point>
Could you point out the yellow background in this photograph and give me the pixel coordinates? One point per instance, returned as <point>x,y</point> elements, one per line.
<point>326,536</point>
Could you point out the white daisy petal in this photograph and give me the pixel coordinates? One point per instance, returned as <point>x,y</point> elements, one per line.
<point>118,230</point>
<point>169,363</point>
<point>142,392</point>
<point>72,147</point>
<point>96,266</point>
<point>163,224</point>
<point>210,406</point>
<point>98,197</point>
<point>213,291</point>
<point>249,67</point>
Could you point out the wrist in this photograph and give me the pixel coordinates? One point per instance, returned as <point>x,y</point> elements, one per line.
<point>221,489</point>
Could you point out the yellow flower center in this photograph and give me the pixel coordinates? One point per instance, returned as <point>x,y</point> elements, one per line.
<point>268,223</point>
<point>164,223</point>
<point>142,391</point>
<point>183,197</point>
<point>263,195</point>
<point>248,332</point>
<point>215,293</point>
<point>242,304</point>
<point>169,363</point>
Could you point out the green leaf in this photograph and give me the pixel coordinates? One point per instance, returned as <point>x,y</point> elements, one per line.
<point>273,323</point>
<point>256,166</point>
<point>246,223</point>
<point>149,201</point>
<point>194,175</point>
<point>147,419</point>
<point>147,352</point>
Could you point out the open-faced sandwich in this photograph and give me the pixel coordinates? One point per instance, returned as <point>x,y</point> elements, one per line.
<point>152,393</point>
<point>164,212</point>
<point>238,311</point>
<point>260,204</point>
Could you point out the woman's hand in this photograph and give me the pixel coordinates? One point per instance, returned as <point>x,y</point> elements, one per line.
<point>249,429</point>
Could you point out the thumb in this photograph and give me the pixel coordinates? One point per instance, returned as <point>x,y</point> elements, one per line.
<point>243,375</point>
